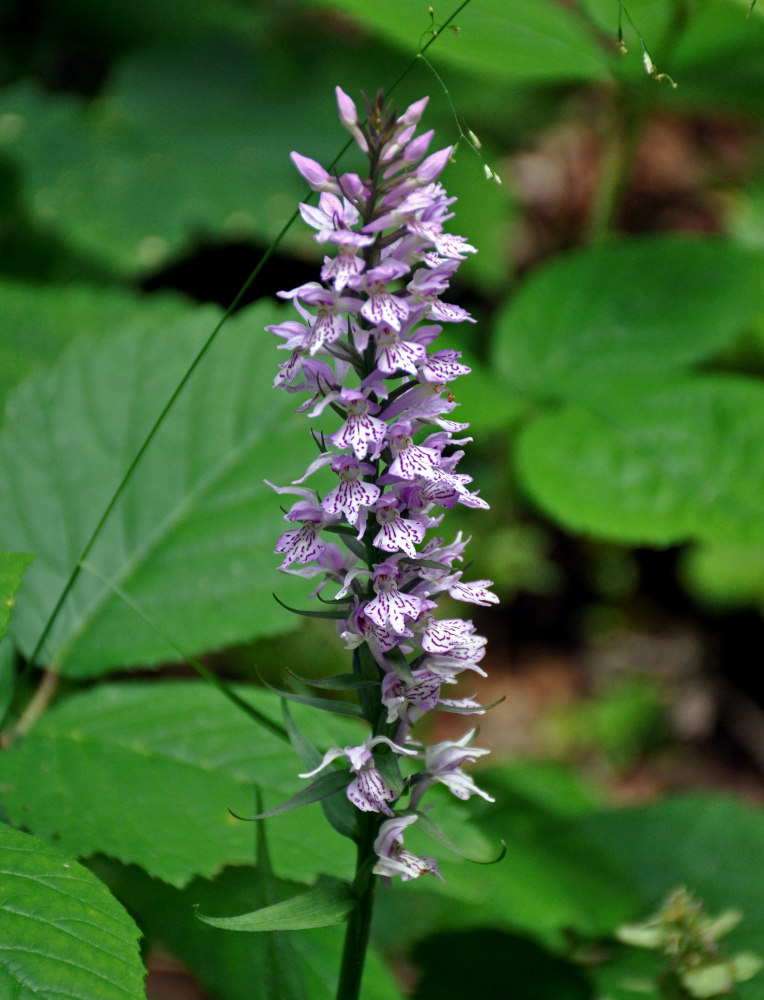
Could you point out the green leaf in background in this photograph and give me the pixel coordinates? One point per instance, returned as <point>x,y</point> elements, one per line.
<point>12,566</point>
<point>173,151</point>
<point>186,143</point>
<point>322,906</point>
<point>645,307</point>
<point>232,965</point>
<point>718,60</point>
<point>724,576</point>
<point>656,466</point>
<point>511,40</point>
<point>64,936</point>
<point>192,538</point>
<point>40,320</point>
<point>147,773</point>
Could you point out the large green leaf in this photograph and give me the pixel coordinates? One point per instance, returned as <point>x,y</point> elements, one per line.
<point>234,965</point>
<point>40,320</point>
<point>638,308</point>
<point>147,773</point>
<point>656,465</point>
<point>191,542</point>
<point>65,937</point>
<point>509,39</point>
<point>187,142</point>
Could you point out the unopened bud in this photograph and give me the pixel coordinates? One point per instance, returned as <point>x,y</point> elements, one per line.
<point>647,61</point>
<point>474,139</point>
<point>491,175</point>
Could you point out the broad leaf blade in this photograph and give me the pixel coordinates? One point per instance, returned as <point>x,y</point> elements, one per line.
<point>65,937</point>
<point>39,321</point>
<point>192,538</point>
<point>147,773</point>
<point>654,466</point>
<point>646,307</point>
<point>511,40</point>
<point>321,906</point>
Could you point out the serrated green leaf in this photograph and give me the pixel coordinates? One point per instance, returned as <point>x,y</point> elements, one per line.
<point>191,540</point>
<point>509,39</point>
<point>654,465</point>
<point>321,906</point>
<point>645,307</point>
<point>39,321</point>
<point>147,773</point>
<point>65,937</point>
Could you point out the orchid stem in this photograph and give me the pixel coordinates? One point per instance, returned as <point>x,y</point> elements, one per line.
<point>359,921</point>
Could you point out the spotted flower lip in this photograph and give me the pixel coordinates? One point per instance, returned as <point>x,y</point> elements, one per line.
<point>369,791</point>
<point>392,857</point>
<point>363,350</point>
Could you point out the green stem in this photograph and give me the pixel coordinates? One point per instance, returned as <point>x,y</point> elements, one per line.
<point>620,132</point>
<point>359,921</point>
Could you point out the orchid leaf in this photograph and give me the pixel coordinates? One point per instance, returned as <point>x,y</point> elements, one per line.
<point>325,704</point>
<point>426,824</point>
<point>338,810</point>
<point>320,788</point>
<point>323,905</point>
<point>308,613</point>
<point>341,682</point>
